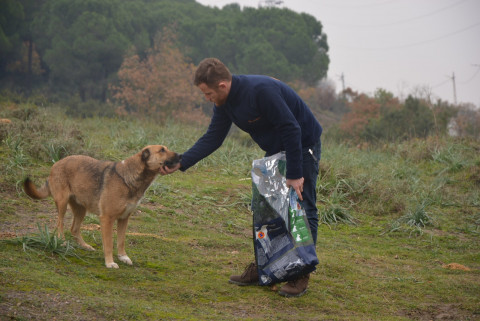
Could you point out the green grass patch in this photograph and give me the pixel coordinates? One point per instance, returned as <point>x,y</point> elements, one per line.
<point>47,242</point>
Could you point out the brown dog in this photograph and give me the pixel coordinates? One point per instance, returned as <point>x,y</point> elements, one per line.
<point>111,190</point>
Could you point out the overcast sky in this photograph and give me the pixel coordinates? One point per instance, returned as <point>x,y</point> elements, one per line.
<point>398,45</point>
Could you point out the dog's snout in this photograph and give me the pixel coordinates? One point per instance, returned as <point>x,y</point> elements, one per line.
<point>174,160</point>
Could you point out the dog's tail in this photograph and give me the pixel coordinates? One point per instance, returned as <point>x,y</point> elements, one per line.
<point>32,190</point>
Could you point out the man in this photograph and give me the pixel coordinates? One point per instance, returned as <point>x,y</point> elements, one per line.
<point>277,119</point>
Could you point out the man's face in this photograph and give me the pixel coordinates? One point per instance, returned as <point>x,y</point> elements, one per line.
<point>216,95</point>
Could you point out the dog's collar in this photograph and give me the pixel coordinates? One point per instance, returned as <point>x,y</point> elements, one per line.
<point>114,169</point>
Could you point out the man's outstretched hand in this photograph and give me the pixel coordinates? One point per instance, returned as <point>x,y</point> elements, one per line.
<point>169,170</point>
<point>297,185</point>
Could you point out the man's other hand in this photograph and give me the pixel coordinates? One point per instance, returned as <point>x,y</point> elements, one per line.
<point>297,185</point>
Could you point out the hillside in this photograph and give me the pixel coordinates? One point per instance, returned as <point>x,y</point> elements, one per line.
<point>399,239</point>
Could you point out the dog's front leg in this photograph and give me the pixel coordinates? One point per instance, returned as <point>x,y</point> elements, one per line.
<point>121,231</point>
<point>106,224</point>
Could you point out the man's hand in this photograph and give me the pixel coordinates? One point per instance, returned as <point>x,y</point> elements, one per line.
<point>297,185</point>
<point>167,170</point>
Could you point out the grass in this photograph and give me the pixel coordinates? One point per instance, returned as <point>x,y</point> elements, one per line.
<point>414,220</point>
<point>45,241</point>
<point>193,230</point>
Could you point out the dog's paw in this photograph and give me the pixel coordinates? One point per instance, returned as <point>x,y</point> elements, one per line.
<point>125,259</point>
<point>87,247</point>
<point>112,265</point>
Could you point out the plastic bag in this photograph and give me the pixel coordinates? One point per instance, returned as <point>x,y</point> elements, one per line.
<point>283,243</point>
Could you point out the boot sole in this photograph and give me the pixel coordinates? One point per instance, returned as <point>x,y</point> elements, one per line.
<point>289,295</point>
<point>241,283</point>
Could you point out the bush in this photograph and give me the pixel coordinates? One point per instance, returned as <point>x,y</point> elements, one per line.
<point>414,119</point>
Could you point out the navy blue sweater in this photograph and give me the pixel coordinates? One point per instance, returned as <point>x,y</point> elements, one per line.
<point>272,113</point>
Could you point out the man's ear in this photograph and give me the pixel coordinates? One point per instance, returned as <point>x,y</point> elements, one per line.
<point>222,85</point>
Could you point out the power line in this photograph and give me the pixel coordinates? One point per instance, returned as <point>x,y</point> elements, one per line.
<point>441,84</point>
<point>474,75</point>
<point>417,43</point>
<point>359,5</point>
<point>402,21</point>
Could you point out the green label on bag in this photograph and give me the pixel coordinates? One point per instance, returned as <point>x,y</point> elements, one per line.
<point>298,228</point>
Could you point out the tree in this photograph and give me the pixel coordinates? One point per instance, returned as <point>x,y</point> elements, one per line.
<point>11,19</point>
<point>78,45</point>
<point>421,118</point>
<point>321,97</point>
<point>273,41</point>
<point>27,62</point>
<point>413,119</point>
<point>86,55</point>
<point>261,58</point>
<point>296,39</point>
<point>383,117</point>
<point>444,112</point>
<point>160,85</point>
<point>81,45</point>
<point>467,121</point>
<point>363,109</point>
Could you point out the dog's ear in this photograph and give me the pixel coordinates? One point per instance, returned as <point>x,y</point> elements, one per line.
<point>145,154</point>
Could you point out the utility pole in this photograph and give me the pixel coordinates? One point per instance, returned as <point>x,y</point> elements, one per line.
<point>454,88</point>
<point>342,78</point>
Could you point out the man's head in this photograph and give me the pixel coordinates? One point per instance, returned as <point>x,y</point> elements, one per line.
<point>214,79</point>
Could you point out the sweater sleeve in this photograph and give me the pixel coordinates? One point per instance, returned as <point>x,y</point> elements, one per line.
<point>273,106</point>
<point>217,131</point>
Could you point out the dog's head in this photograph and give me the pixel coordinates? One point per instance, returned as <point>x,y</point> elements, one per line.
<point>157,156</point>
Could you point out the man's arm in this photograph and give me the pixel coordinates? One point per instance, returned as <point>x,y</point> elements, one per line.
<point>207,144</point>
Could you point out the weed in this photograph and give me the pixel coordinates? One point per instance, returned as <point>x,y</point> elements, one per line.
<point>44,241</point>
<point>55,153</point>
<point>471,225</point>
<point>335,214</point>
<point>18,157</point>
<point>338,202</point>
<point>419,216</point>
<point>245,198</point>
<point>415,220</point>
<point>138,139</point>
<point>451,157</point>
<point>405,172</point>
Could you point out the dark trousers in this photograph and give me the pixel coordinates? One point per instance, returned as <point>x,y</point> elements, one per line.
<point>310,175</point>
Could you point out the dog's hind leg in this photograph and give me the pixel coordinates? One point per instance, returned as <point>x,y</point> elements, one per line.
<point>79,213</point>
<point>106,224</point>
<point>121,231</point>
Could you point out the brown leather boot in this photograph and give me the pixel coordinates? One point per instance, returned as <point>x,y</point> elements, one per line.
<point>249,276</point>
<point>295,288</point>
